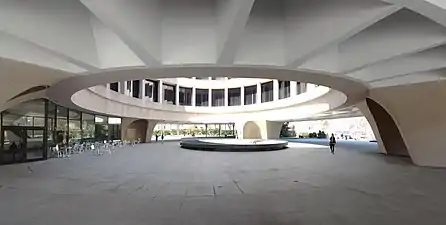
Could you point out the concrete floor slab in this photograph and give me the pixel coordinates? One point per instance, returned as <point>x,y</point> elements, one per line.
<point>164,184</point>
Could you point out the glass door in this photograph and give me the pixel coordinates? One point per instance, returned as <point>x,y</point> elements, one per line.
<point>22,144</point>
<point>34,144</point>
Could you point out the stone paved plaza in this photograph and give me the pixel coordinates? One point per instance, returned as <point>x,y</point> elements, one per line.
<point>164,184</point>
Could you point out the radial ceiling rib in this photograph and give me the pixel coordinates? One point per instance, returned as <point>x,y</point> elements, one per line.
<point>427,60</point>
<point>427,76</point>
<point>137,23</point>
<point>432,9</point>
<point>382,41</point>
<point>112,51</point>
<point>61,28</point>
<point>58,55</point>
<point>232,18</point>
<point>308,40</point>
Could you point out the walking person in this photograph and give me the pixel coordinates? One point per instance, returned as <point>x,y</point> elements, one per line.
<point>156,137</point>
<point>332,143</point>
<point>162,138</point>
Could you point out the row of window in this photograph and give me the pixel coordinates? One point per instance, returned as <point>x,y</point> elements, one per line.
<point>202,95</point>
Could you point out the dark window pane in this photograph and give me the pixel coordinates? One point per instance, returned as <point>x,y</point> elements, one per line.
<point>233,96</point>
<point>136,88</point>
<point>250,95</point>
<point>169,93</point>
<point>114,86</point>
<point>218,97</point>
<point>267,92</point>
<point>202,97</point>
<point>185,95</point>
<point>284,89</point>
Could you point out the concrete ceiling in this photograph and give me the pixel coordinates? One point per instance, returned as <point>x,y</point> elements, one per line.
<point>372,42</point>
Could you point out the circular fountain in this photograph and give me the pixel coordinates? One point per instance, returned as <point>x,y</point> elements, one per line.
<point>232,145</point>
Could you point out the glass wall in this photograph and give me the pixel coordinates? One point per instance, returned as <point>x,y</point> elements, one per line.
<point>30,129</point>
<point>267,92</point>
<point>88,126</point>
<point>234,96</point>
<point>100,128</point>
<point>51,123</point>
<point>169,93</point>
<point>177,131</point>
<point>74,126</point>
<point>218,97</point>
<point>23,134</point>
<point>201,97</point>
<point>250,95</point>
<point>114,128</point>
<point>185,96</point>
<point>284,89</point>
<point>61,133</point>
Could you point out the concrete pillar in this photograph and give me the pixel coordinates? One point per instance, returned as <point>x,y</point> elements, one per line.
<point>226,97</point>
<point>259,129</point>
<point>293,88</point>
<point>242,95</point>
<point>362,106</point>
<point>150,129</point>
<point>259,93</point>
<point>133,129</point>
<point>122,87</point>
<point>160,92</point>
<point>177,94</point>
<point>130,91</point>
<point>275,90</point>
<point>418,114</point>
<point>210,97</point>
<point>142,87</point>
<point>194,91</point>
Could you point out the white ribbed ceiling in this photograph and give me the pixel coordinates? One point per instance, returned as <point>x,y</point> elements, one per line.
<point>381,43</point>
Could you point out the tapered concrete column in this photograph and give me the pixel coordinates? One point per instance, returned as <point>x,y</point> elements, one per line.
<point>411,117</point>
<point>226,97</point>
<point>260,129</point>
<point>160,92</point>
<point>150,128</point>
<point>177,94</point>
<point>259,93</point>
<point>293,88</point>
<point>362,106</point>
<point>275,90</point>
<point>194,91</point>
<point>210,97</point>
<point>242,95</point>
<point>133,129</point>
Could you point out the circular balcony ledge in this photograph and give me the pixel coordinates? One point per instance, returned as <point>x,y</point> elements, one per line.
<point>65,91</point>
<point>277,104</point>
